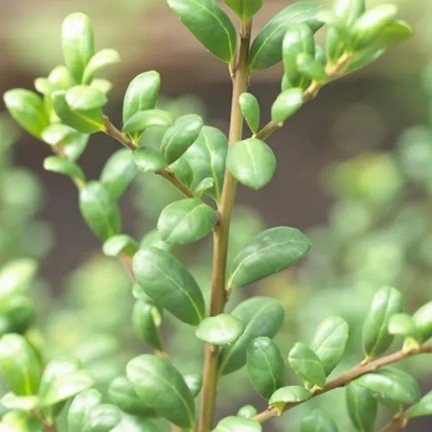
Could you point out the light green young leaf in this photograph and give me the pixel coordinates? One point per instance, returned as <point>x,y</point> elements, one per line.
<point>71,142</point>
<point>102,85</point>
<point>245,9</point>
<point>286,104</point>
<point>423,408</point>
<point>362,407</point>
<point>120,245</point>
<point>318,421</point>
<point>194,382</point>
<point>16,277</point>
<point>60,78</point>
<point>80,409</point>
<point>402,324</point>
<point>222,329</point>
<point>99,62</point>
<point>147,159</point>
<point>247,411</point>
<point>394,33</point>
<point>423,320</point>
<point>311,68</point>
<point>63,166</point>
<point>144,323</point>
<point>288,395</point>
<point>238,424</point>
<point>349,11</point>
<point>251,110</point>
<point>143,120</point>
<point>135,424</point>
<point>203,186</point>
<point>85,98</point>
<point>102,418</point>
<point>11,401</point>
<point>15,421</point>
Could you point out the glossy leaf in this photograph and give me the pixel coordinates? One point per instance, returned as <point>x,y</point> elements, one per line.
<point>99,210</point>
<point>183,171</point>
<point>61,78</point>
<point>102,418</point>
<point>271,251</point>
<point>148,159</point>
<point>423,320</point>
<point>143,120</point>
<point>376,338</point>
<point>362,407</point>
<point>80,409</point>
<point>318,421</point>
<point>237,424</point>
<point>266,366</point>
<point>168,283</point>
<point>251,110</point>
<point>222,329</point>
<point>261,316</point>
<point>403,325</point>
<point>163,388</point>
<point>247,411</point>
<point>186,221</point>
<point>71,142</point>
<point>330,341</point>
<point>266,48</point>
<point>99,62</point>
<point>135,424</point>
<point>423,408</point>
<point>286,104</point>
<point>349,10</point>
<point>144,324</point>
<point>209,24</point>
<point>288,395</point>
<point>245,9</point>
<point>85,98</point>
<point>63,166</point>
<point>120,245</point>
<point>311,69</point>
<point>393,33</point>
<point>194,382</point>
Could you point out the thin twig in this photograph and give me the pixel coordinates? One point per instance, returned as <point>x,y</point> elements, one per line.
<point>180,186</point>
<point>113,132</point>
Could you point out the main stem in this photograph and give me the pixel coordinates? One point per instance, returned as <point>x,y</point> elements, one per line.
<point>240,78</point>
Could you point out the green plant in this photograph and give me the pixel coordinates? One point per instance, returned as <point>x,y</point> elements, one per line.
<point>205,166</point>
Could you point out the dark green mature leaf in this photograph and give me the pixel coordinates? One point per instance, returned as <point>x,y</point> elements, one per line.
<point>330,341</point>
<point>28,110</point>
<point>120,245</point>
<point>318,421</point>
<point>423,320</point>
<point>286,104</point>
<point>251,110</point>
<point>63,166</point>
<point>80,409</point>
<point>209,24</point>
<point>238,424</point>
<point>144,324</point>
<point>186,221</point>
<point>99,210</point>
<point>163,389</point>
<point>222,329</point>
<point>178,138</point>
<point>102,418</point>
<point>307,365</point>
<point>271,251</point>
<point>362,407</point>
<point>78,44</point>
<point>168,283</point>
<point>261,316</point>
<point>266,49</point>
<point>100,61</point>
<point>422,408</point>
<point>142,94</point>
<point>194,382</point>
<point>376,338</point>
<point>85,98</point>
<point>266,366</point>
<point>245,9</point>
<point>288,395</point>
<point>392,384</point>
<point>148,159</point>
<point>143,120</point>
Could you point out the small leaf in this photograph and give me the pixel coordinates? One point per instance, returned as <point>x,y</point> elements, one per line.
<point>71,142</point>
<point>245,9</point>
<point>266,366</point>
<point>223,329</point>
<point>403,325</point>
<point>78,44</point>
<point>148,159</point>
<point>307,365</point>
<point>186,221</point>
<point>135,424</point>
<point>209,24</point>
<point>251,110</point>
<point>99,210</point>
<point>394,33</point>
<point>247,411</point>
<point>85,98</point>
<point>102,85</point>
<point>16,277</point>
<point>183,171</point>
<point>163,388</point>
<point>194,382</point>
<point>100,61</point>
<point>143,120</point>
<point>423,320</point>
<point>310,68</point>
<point>203,186</point>
<point>238,424</point>
<point>80,408</point>
<point>120,245</point>
<point>102,418</point>
<point>144,325</point>
<point>181,136</point>
<point>286,104</point>
<point>349,10</point>
<point>60,78</point>
<point>11,401</point>
<point>261,316</point>
<point>167,282</point>
<point>66,167</point>
<point>318,421</point>
<point>288,395</point>
<point>330,341</point>
<point>362,407</point>
<point>270,252</point>
<point>423,408</point>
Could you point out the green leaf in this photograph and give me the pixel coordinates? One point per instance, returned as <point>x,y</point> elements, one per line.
<point>99,62</point>
<point>118,172</point>
<point>266,49</point>
<point>102,85</point>
<point>163,388</point>
<point>102,418</point>
<point>16,277</point>
<point>423,320</point>
<point>80,409</point>
<point>135,424</point>
<point>251,162</point>
<point>349,11</point>
<point>181,136</point>
<point>288,395</point>
<point>392,384</point>
<point>11,401</point>
<point>144,324</point>
<point>403,325</point>
<point>20,367</point>
<point>222,329</point>
<point>247,411</point>
<point>266,366</point>
<point>310,68</point>
<point>423,408</point>
<point>15,421</point>
<point>261,316</point>
<point>376,338</point>
<point>60,78</point>
<point>203,186</point>
<point>186,221</point>
<point>168,283</point>
<point>271,251</point>
<point>245,9</point>
<point>120,245</point>
<point>148,159</point>
<point>330,341</point>
<point>307,365</point>
<point>78,44</point>
<point>286,104</point>
<point>86,122</point>
<point>318,421</point>
<point>394,33</point>
<point>251,110</point>
<point>85,98</point>
<point>183,171</point>
<point>237,424</point>
<point>209,24</point>
<point>63,166</point>
<point>142,94</point>
<point>99,210</point>
<point>122,393</point>
<point>28,110</point>
<point>362,407</point>
<point>143,120</point>
<point>194,382</point>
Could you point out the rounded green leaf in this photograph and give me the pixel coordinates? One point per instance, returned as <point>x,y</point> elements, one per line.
<point>186,221</point>
<point>60,78</point>
<point>194,382</point>
<point>261,316</point>
<point>63,166</point>
<point>349,10</point>
<point>181,136</point>
<point>247,411</point>
<point>203,186</point>
<point>100,61</point>
<point>266,49</point>
<point>16,277</point>
<point>311,68</point>
<point>71,142</point>
<point>85,98</point>
<point>99,210</point>
<point>15,421</point>
<point>402,324</point>
<point>148,159</point>
<point>330,341</point>
<point>209,24</point>
<point>376,338</point>
<point>144,323</point>
<point>78,44</point>
<point>318,421</point>
<point>80,409</point>
<point>143,120</point>
<point>288,395</point>
<point>423,320</point>
<point>102,418</point>
<point>142,94</point>
<point>222,329</point>
<point>251,110</point>
<point>286,104</point>
<point>271,251</point>
<point>266,366</point>
<point>28,110</point>
<point>251,162</point>
<point>168,283</point>
<point>135,424</point>
<point>362,407</point>
<point>422,408</point>
<point>392,34</point>
<point>245,9</point>
<point>163,389</point>
<point>238,424</point>
<point>120,245</point>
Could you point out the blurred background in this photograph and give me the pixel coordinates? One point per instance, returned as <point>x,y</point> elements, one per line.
<point>354,171</point>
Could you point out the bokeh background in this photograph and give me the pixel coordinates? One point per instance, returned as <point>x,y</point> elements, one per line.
<point>354,171</point>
